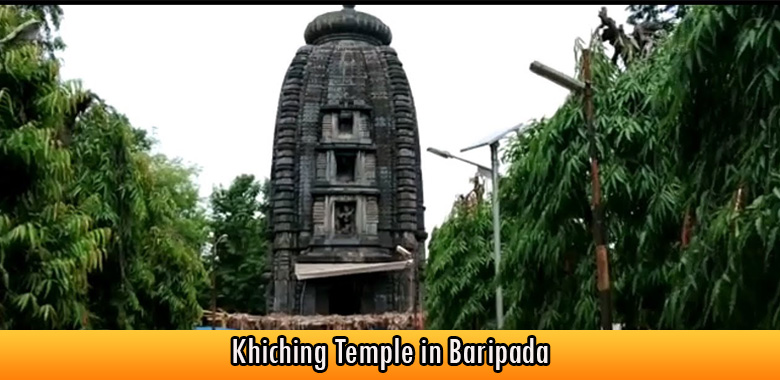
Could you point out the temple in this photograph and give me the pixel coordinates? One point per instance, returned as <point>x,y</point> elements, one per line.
<point>346,224</point>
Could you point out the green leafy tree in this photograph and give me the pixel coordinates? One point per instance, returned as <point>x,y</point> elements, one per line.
<point>459,272</point>
<point>150,277</point>
<point>177,230</point>
<point>550,264</point>
<point>95,231</point>
<point>239,212</point>
<point>665,15</point>
<point>726,55</point>
<point>688,163</point>
<point>48,245</point>
<point>50,16</point>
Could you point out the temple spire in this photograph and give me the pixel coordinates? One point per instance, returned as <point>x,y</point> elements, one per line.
<point>340,199</point>
<point>347,23</point>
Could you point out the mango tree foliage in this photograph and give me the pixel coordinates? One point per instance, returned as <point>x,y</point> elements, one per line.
<point>550,261</point>
<point>459,274</point>
<point>150,277</point>
<point>688,156</point>
<point>48,244</point>
<point>664,15</point>
<point>95,231</point>
<point>239,212</point>
<point>725,84</point>
<point>50,15</point>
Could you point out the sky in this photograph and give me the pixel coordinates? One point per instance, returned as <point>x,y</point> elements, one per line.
<point>205,79</point>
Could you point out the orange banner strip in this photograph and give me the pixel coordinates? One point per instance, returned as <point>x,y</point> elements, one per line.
<point>143,355</point>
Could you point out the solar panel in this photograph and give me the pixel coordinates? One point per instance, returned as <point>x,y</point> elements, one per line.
<point>521,128</point>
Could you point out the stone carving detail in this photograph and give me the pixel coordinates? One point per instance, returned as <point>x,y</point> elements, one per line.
<point>345,218</point>
<point>346,184</point>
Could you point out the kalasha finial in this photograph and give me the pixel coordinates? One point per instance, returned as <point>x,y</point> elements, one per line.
<point>349,6</point>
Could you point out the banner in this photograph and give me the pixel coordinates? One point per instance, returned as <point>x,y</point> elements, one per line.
<point>143,355</point>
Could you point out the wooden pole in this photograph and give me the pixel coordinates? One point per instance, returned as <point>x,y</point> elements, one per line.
<point>214,288</point>
<point>597,208</point>
<point>416,287</point>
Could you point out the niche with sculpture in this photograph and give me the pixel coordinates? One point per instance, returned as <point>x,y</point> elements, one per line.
<point>345,218</point>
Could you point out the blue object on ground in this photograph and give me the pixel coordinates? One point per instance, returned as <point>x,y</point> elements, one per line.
<point>212,328</point>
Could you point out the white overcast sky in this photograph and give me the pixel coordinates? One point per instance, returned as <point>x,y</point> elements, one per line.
<point>207,78</point>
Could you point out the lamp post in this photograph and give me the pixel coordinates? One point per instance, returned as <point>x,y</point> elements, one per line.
<point>214,281</point>
<point>597,209</point>
<point>493,142</point>
<point>483,170</point>
<point>413,284</point>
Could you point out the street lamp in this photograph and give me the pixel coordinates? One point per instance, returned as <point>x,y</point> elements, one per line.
<point>598,230</point>
<point>214,280</point>
<point>482,170</point>
<point>557,77</point>
<point>493,142</point>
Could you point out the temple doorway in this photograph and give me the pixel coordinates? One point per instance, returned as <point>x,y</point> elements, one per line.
<point>346,294</point>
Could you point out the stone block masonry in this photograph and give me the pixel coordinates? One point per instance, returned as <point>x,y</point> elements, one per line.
<point>346,184</point>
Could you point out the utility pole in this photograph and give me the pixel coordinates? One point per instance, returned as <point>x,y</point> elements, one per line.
<point>213,290</point>
<point>493,142</point>
<point>496,235</point>
<point>214,282</point>
<point>597,208</point>
<point>416,297</point>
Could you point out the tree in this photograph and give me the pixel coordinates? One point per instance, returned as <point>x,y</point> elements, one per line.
<point>652,23</point>
<point>95,232</point>
<point>240,213</point>
<point>150,277</point>
<point>460,271</point>
<point>50,16</point>
<point>665,15</point>
<point>550,251</point>
<point>48,244</point>
<point>725,55</point>
<point>692,191</point>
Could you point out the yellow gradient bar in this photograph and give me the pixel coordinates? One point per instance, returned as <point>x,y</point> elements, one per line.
<point>144,355</point>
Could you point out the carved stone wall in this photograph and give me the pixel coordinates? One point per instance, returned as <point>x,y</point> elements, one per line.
<point>346,184</point>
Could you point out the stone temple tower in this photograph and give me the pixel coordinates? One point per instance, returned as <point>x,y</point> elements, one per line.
<point>346,187</point>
